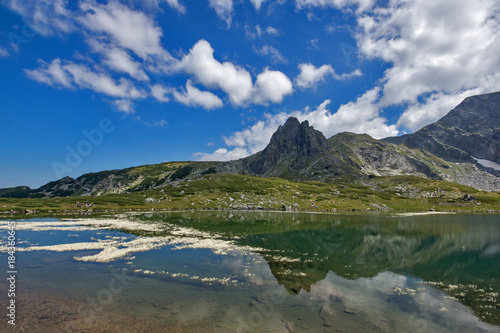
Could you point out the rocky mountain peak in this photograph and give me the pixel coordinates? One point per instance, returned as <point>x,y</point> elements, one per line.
<point>293,141</point>
<point>296,137</point>
<point>476,113</point>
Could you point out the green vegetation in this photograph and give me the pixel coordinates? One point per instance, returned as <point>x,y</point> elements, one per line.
<point>182,172</point>
<point>232,191</point>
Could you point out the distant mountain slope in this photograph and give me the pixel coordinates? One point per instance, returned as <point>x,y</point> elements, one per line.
<point>375,157</point>
<point>298,151</point>
<point>116,181</point>
<point>470,131</point>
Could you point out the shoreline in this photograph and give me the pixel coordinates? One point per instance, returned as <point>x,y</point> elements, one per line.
<point>397,212</point>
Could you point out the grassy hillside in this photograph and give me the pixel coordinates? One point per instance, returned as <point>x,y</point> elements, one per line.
<point>230,191</point>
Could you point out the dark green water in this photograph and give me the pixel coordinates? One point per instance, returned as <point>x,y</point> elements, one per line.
<point>274,272</point>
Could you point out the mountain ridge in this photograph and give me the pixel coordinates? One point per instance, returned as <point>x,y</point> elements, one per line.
<point>469,132</point>
<point>297,151</point>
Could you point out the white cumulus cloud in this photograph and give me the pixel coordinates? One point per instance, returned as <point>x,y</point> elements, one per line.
<point>127,28</point>
<point>235,81</point>
<point>224,9</point>
<point>119,60</point>
<point>160,92</point>
<point>52,74</point>
<point>69,75</point>
<point>257,3</point>
<point>271,87</point>
<point>192,96</point>
<point>222,154</point>
<point>46,17</point>
<point>177,6</point>
<point>124,105</point>
<point>310,75</point>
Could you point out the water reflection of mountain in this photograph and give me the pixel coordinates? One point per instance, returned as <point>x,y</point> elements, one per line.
<point>451,249</point>
<point>457,253</point>
<point>302,248</point>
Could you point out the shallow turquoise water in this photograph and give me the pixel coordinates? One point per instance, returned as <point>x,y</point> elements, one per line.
<point>274,272</point>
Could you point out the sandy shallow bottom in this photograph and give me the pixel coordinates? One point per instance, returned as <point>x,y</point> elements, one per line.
<point>52,311</point>
<point>166,307</point>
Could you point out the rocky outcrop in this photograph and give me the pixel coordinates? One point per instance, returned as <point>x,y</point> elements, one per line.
<point>375,157</point>
<point>62,187</point>
<point>296,151</point>
<point>294,142</point>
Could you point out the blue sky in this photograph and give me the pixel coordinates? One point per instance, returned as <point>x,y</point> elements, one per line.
<point>87,86</point>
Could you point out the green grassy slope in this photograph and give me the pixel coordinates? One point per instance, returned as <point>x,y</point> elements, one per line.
<point>230,191</point>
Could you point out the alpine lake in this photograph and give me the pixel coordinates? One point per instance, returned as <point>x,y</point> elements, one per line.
<point>254,271</point>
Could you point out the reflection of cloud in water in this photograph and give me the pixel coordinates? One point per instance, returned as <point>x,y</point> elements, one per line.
<point>402,300</point>
<point>112,249</point>
<point>491,250</point>
<point>82,224</point>
<point>251,267</point>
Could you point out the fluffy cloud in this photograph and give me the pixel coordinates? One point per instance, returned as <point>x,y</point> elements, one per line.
<point>119,60</point>
<point>222,154</point>
<point>177,6</point>
<point>124,105</point>
<point>310,75</point>
<point>70,75</point>
<point>52,74</point>
<point>271,86</point>
<point>224,9</point>
<point>124,27</point>
<point>257,3</point>
<point>346,76</point>
<point>160,93</point>
<point>232,79</point>
<point>84,77</point>
<point>360,116</point>
<point>190,96</point>
<point>47,17</point>
<point>439,53</point>
<point>195,97</point>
